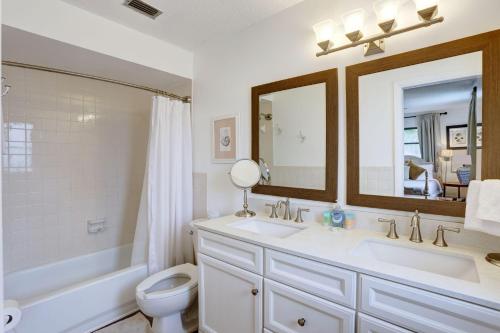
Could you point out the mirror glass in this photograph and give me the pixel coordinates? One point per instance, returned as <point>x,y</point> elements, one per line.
<point>420,129</point>
<point>292,136</point>
<point>245,173</point>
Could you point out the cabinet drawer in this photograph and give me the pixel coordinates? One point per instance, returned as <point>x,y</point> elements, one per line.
<point>423,311</point>
<point>329,282</point>
<point>232,251</point>
<point>288,310</point>
<point>367,324</point>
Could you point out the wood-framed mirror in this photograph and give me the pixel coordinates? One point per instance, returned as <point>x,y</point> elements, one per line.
<point>409,120</point>
<point>295,134</point>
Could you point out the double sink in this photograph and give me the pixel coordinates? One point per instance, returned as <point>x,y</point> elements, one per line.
<point>434,261</point>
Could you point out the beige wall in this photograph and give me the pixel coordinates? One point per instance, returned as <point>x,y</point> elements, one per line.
<point>74,150</point>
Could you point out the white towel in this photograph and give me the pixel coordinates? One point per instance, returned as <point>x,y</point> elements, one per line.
<point>489,201</point>
<point>472,222</point>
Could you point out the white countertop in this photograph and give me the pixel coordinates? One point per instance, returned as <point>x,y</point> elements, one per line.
<point>335,247</point>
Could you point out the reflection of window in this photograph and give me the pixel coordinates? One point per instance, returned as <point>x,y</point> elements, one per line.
<point>411,143</point>
<point>17,147</point>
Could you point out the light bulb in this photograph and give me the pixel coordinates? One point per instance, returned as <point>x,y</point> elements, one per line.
<point>354,20</point>
<point>324,33</point>
<point>323,30</point>
<point>353,24</point>
<point>386,10</point>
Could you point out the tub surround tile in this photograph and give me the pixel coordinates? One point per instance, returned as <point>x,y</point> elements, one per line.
<point>74,150</point>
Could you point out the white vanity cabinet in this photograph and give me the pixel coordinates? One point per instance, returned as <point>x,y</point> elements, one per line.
<point>236,293</point>
<point>244,287</point>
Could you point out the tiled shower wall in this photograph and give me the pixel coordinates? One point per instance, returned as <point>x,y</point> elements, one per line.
<point>74,150</point>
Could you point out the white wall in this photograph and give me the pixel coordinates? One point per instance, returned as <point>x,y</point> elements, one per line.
<point>60,21</point>
<point>284,46</point>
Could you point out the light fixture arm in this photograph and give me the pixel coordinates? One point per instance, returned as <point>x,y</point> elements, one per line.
<point>382,36</point>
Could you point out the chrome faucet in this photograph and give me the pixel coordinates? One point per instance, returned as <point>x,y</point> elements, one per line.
<point>287,215</point>
<point>415,236</point>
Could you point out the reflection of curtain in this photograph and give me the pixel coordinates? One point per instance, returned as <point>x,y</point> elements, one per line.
<point>166,206</point>
<point>429,136</point>
<point>472,134</point>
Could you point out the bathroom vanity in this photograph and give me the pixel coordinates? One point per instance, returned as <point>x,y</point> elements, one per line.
<point>268,275</point>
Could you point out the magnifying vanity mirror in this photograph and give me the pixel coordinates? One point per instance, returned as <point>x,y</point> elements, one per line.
<point>421,125</point>
<point>294,136</point>
<point>245,174</point>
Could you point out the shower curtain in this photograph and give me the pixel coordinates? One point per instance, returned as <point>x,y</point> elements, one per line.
<point>162,239</point>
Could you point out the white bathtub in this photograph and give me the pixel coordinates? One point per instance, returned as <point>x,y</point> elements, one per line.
<point>76,295</point>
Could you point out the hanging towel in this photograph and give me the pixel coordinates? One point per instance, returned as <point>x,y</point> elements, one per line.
<point>472,222</point>
<point>489,201</point>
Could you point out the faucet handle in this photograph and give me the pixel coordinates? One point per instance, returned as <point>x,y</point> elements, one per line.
<point>440,241</point>
<point>392,234</point>
<point>299,219</point>
<point>274,208</point>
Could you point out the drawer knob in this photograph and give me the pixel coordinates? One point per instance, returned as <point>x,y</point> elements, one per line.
<point>301,322</point>
<point>255,292</point>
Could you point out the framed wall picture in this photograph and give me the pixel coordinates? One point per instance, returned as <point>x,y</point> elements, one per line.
<point>456,136</point>
<point>225,139</point>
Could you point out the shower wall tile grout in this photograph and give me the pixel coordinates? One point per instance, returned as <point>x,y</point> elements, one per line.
<point>74,150</point>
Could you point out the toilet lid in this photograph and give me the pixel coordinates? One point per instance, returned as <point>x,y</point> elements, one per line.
<point>170,282</point>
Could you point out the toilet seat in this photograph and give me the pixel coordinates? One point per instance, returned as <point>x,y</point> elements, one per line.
<point>187,271</point>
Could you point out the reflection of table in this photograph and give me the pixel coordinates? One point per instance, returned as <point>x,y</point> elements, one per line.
<point>457,185</point>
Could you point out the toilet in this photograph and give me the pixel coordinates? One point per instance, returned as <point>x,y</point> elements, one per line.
<point>170,297</point>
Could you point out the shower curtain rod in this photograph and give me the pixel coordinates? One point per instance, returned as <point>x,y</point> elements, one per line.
<point>186,99</point>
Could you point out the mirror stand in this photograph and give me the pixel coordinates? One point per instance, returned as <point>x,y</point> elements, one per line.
<point>245,212</point>
<point>245,174</point>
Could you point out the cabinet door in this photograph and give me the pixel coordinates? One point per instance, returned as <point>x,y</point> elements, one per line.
<point>230,298</point>
<point>288,310</point>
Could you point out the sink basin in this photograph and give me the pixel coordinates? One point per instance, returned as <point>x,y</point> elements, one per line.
<point>455,266</point>
<point>266,228</point>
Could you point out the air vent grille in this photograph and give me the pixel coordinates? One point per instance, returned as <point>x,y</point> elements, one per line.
<point>143,8</point>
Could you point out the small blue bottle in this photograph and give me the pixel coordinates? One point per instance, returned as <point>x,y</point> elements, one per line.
<point>338,217</point>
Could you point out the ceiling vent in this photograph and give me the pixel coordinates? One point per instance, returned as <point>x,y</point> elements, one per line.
<point>143,8</point>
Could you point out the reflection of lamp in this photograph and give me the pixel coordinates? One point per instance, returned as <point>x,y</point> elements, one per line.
<point>446,154</point>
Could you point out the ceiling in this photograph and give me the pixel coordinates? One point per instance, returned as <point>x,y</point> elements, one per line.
<point>438,96</point>
<point>188,23</point>
<point>25,47</point>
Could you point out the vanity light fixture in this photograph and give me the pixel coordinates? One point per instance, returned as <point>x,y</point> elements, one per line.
<point>386,12</point>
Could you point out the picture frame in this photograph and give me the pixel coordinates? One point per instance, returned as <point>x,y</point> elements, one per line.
<point>456,136</point>
<point>225,139</point>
